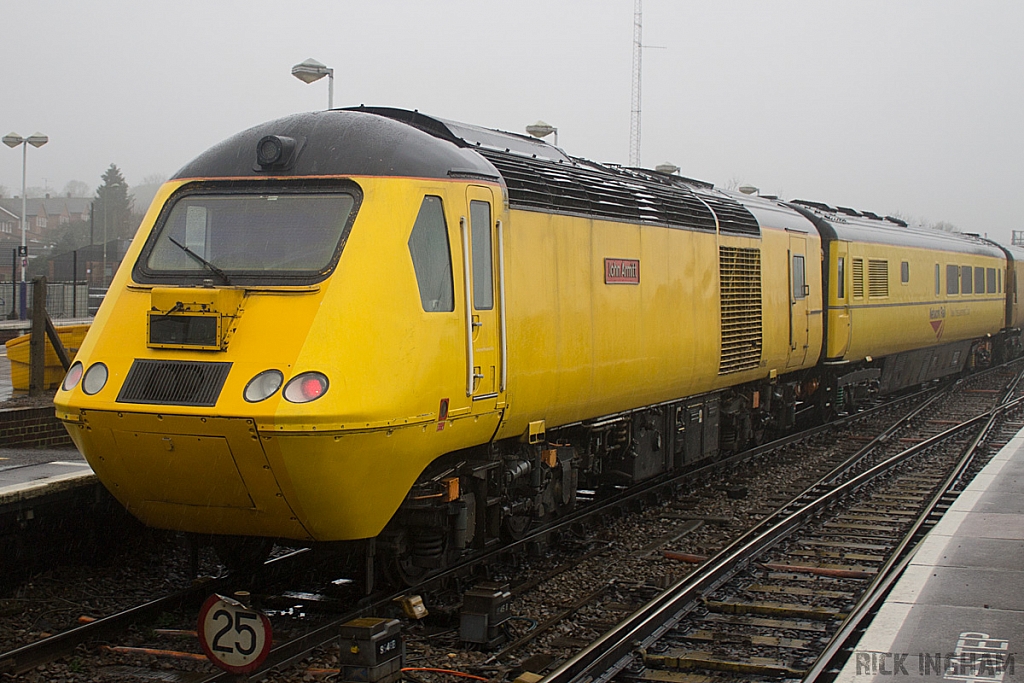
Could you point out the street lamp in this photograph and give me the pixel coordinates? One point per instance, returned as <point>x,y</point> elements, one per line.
<point>312,70</point>
<point>542,130</point>
<point>12,140</point>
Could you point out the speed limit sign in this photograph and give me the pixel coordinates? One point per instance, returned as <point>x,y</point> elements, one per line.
<point>235,637</point>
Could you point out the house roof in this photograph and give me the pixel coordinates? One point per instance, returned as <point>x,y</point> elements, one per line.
<point>52,206</point>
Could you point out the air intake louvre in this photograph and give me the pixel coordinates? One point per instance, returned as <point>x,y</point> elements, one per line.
<point>174,383</point>
<point>878,278</point>
<point>858,278</point>
<point>740,272</point>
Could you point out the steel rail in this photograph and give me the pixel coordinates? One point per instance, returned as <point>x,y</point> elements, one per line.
<point>837,649</point>
<point>29,656</point>
<point>612,652</point>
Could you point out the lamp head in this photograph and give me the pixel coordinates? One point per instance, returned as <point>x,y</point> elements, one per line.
<point>310,71</point>
<point>540,129</point>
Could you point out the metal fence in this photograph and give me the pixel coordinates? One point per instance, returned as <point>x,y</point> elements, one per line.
<point>63,299</point>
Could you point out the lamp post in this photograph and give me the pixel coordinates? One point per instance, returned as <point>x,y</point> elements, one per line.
<point>12,140</point>
<point>542,130</point>
<point>312,70</point>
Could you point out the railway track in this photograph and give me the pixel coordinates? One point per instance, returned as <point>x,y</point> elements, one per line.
<point>602,599</point>
<point>785,598</point>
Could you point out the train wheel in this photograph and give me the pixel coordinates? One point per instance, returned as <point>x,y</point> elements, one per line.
<point>425,552</point>
<point>401,571</point>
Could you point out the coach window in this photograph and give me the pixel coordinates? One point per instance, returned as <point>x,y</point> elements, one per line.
<point>990,280</point>
<point>979,281</point>
<point>938,280</point>
<point>480,225</point>
<point>431,258</point>
<point>904,272</point>
<point>999,274</point>
<point>966,281</point>
<point>952,279</point>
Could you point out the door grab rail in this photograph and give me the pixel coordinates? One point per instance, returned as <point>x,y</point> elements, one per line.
<point>469,307</point>
<point>501,302</point>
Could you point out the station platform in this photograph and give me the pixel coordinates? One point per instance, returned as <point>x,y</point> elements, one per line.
<point>957,613</point>
<point>29,473</point>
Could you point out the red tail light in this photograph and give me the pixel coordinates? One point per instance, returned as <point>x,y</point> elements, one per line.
<point>306,387</point>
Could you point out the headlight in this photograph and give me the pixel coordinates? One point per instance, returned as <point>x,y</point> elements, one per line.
<point>73,376</point>
<point>95,378</point>
<point>306,387</point>
<point>262,386</point>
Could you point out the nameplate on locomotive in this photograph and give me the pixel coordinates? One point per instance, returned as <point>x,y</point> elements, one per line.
<point>621,271</point>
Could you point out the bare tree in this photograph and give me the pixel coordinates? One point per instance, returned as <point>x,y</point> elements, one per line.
<point>76,188</point>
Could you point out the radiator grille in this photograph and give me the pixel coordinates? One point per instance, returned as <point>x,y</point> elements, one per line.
<point>174,383</point>
<point>740,272</point>
<point>858,278</point>
<point>625,194</point>
<point>878,278</point>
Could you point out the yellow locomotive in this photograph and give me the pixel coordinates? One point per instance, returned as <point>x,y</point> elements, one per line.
<point>370,323</point>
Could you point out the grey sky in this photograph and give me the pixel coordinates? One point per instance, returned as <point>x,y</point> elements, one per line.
<point>912,106</point>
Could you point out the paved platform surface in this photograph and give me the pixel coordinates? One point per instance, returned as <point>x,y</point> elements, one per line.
<point>30,472</point>
<point>957,613</point>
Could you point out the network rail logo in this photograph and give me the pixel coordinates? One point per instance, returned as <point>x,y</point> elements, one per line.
<point>977,658</point>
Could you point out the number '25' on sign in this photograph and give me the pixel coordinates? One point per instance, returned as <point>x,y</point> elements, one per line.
<point>234,636</point>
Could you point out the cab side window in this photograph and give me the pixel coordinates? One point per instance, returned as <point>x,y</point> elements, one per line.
<point>431,257</point>
<point>480,225</point>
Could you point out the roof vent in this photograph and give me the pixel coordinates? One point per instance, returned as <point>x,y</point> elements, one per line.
<point>814,205</point>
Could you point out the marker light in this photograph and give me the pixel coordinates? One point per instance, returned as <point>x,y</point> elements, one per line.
<point>262,386</point>
<point>95,378</point>
<point>74,374</point>
<point>306,387</point>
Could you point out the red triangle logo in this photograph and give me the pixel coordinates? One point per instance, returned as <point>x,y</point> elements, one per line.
<point>937,326</point>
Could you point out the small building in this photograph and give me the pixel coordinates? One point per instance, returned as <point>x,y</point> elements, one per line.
<point>87,263</point>
<point>43,214</point>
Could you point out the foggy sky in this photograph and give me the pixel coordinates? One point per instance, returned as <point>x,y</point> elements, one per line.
<point>912,107</point>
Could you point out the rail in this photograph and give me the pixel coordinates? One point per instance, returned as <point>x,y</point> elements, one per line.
<point>612,652</point>
<point>824,668</point>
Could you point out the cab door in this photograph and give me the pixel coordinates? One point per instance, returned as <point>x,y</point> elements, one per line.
<point>799,310</point>
<point>483,296</point>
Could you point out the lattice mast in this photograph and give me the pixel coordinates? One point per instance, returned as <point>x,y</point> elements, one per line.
<point>638,49</point>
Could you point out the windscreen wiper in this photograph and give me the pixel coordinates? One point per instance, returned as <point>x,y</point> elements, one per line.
<point>213,269</point>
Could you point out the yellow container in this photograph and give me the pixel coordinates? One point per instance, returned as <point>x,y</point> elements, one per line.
<point>71,337</point>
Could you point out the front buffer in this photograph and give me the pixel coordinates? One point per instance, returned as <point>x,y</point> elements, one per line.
<point>220,475</point>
